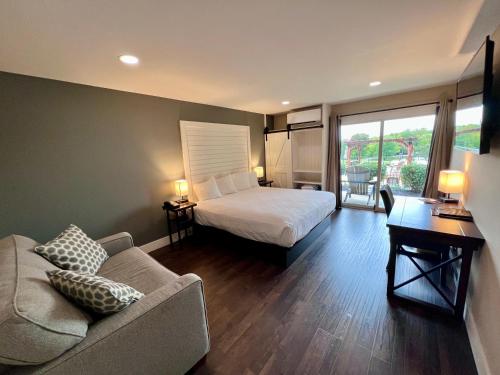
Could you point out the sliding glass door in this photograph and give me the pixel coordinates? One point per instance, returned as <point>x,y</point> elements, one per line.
<point>393,149</point>
<point>359,163</point>
<point>405,154</point>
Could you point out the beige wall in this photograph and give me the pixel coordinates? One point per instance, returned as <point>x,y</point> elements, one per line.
<point>396,100</point>
<point>382,102</point>
<point>482,198</point>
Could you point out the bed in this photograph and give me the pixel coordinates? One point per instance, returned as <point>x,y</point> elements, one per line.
<point>272,215</point>
<point>273,221</point>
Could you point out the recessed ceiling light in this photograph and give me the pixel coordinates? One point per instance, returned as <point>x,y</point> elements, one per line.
<point>375,83</point>
<point>285,102</point>
<point>129,59</point>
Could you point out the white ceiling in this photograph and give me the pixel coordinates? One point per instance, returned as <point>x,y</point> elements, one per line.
<point>244,54</point>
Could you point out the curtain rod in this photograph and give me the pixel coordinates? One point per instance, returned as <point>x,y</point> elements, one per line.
<point>392,109</point>
<point>470,95</point>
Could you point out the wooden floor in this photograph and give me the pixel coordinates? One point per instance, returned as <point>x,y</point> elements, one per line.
<point>325,314</point>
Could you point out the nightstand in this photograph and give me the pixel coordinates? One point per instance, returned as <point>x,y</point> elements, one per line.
<point>266,182</point>
<point>182,214</point>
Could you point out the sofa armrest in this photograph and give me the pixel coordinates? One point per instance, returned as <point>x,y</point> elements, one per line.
<point>165,332</point>
<point>116,243</point>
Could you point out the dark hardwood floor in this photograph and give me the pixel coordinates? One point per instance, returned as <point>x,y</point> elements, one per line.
<point>326,314</point>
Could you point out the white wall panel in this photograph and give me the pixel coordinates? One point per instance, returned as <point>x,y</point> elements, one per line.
<point>213,150</point>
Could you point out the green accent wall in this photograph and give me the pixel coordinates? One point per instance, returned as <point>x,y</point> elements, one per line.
<point>102,159</point>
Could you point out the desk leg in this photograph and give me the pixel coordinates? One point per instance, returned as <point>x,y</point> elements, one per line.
<point>445,255</point>
<point>463,281</point>
<point>391,269</point>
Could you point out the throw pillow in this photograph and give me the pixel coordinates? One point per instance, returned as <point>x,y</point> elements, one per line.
<point>97,293</point>
<point>241,180</point>
<point>226,185</point>
<point>254,182</point>
<point>207,190</point>
<point>74,250</point>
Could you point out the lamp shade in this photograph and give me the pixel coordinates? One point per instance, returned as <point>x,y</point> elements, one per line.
<point>451,181</point>
<point>181,187</point>
<point>259,171</point>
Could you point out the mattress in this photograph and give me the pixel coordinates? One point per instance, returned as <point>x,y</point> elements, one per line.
<point>272,215</point>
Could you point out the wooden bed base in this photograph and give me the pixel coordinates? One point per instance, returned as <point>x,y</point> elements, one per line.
<point>282,256</point>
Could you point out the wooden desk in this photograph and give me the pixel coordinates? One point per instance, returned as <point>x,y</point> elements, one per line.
<point>411,223</point>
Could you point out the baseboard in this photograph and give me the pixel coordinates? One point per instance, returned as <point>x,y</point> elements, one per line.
<point>161,242</point>
<point>156,244</point>
<point>476,345</point>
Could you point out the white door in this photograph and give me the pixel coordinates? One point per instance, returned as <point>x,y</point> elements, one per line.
<point>279,159</point>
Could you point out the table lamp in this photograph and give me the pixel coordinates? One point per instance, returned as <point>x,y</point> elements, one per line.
<point>181,189</point>
<point>450,182</point>
<point>259,171</point>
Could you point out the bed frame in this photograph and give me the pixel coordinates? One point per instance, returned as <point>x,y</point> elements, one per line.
<point>282,256</point>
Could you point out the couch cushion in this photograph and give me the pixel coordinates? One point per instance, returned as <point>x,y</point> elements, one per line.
<point>74,250</point>
<point>93,292</point>
<point>37,324</point>
<point>137,269</point>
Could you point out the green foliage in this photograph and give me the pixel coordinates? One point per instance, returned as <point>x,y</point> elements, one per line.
<point>391,150</point>
<point>360,137</point>
<point>468,141</point>
<point>413,177</point>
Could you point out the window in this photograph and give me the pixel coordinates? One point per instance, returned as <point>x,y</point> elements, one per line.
<point>387,147</point>
<point>468,128</point>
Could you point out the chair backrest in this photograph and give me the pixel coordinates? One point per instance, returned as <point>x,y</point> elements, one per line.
<point>358,178</point>
<point>388,198</point>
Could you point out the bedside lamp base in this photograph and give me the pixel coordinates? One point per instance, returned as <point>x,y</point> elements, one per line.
<point>448,199</point>
<point>183,199</point>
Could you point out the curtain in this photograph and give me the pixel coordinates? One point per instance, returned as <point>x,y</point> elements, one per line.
<point>441,145</point>
<point>333,166</point>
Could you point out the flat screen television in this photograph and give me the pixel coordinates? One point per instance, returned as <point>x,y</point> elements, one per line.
<point>478,99</point>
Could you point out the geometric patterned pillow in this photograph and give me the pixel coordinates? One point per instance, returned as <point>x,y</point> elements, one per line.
<point>74,250</point>
<point>97,293</point>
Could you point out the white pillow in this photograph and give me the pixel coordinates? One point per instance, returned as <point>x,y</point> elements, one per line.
<point>253,179</point>
<point>226,185</point>
<point>207,190</point>
<point>241,180</point>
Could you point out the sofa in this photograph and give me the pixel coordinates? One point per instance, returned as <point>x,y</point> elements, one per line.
<point>41,332</point>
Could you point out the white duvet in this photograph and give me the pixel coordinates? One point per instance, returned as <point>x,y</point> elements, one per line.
<point>272,215</point>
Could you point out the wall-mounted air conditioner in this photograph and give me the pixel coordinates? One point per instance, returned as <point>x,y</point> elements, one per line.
<point>307,117</point>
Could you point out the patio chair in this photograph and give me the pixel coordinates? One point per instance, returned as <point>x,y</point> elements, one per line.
<point>358,179</point>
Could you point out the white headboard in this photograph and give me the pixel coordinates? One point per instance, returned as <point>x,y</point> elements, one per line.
<point>213,150</point>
